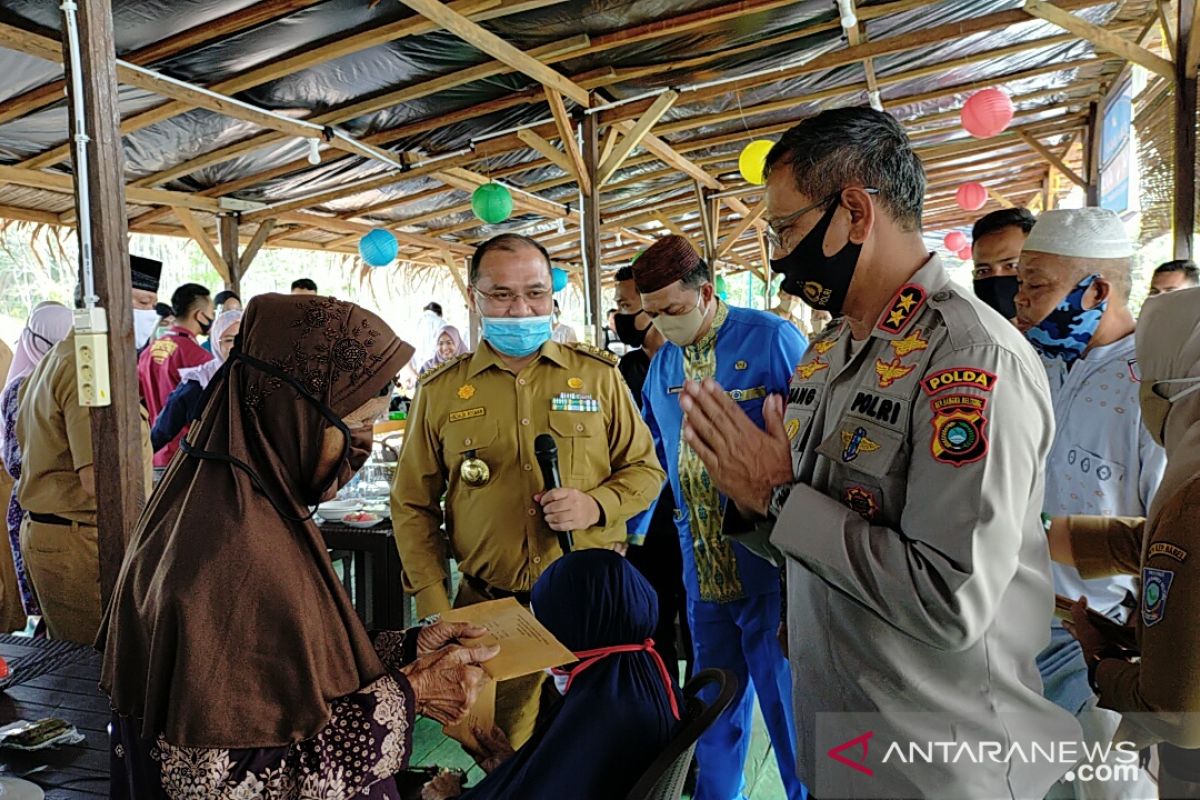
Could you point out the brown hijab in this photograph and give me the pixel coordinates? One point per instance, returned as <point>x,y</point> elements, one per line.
<point>228,627</point>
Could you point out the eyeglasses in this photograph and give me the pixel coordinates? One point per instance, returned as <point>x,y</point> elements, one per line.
<point>776,228</point>
<point>506,298</point>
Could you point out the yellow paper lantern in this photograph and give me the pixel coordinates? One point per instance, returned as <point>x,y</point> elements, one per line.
<point>752,162</point>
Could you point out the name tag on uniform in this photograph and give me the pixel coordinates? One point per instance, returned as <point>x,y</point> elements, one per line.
<point>470,413</point>
<point>574,401</point>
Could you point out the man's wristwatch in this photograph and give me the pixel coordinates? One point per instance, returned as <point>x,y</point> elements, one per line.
<point>779,496</point>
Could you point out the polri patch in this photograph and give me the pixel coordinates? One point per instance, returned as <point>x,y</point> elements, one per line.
<point>958,376</point>
<point>1169,550</point>
<point>470,413</point>
<point>903,309</point>
<point>1156,584</point>
<point>885,410</point>
<point>959,434</point>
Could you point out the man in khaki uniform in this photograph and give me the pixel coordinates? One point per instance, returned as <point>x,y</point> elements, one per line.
<point>58,485</point>
<point>903,484</point>
<point>470,437</point>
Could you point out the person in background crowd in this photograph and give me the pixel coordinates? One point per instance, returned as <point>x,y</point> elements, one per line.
<point>996,242</point>
<point>820,321</point>
<point>903,483</point>
<point>563,333</point>
<point>449,345</point>
<point>733,595</point>
<point>58,482</point>
<point>1073,308</point>
<point>166,318</point>
<point>1174,275</point>
<point>179,348</point>
<point>791,309</point>
<point>304,286</point>
<point>612,342</point>
<point>184,403</point>
<point>227,301</point>
<point>1156,686</point>
<point>289,696</point>
<point>429,328</point>
<point>619,708</point>
<point>657,553</point>
<point>48,324</point>
<point>470,440</point>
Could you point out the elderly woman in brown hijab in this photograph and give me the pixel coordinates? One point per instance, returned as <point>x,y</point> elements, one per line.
<point>1157,694</point>
<point>235,662</point>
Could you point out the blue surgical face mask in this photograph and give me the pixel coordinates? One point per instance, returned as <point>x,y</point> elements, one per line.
<point>517,336</point>
<point>1069,329</point>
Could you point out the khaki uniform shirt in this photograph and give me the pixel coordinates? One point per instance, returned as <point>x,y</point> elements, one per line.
<point>56,440</point>
<point>475,405</point>
<point>918,574</point>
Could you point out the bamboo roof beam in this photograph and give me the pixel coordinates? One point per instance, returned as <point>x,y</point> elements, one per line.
<point>60,182</point>
<point>1102,39</point>
<point>200,237</point>
<point>746,224</point>
<point>1052,159</point>
<point>634,136</point>
<point>571,147</point>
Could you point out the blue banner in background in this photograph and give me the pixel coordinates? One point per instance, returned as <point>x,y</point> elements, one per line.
<point>1116,151</point>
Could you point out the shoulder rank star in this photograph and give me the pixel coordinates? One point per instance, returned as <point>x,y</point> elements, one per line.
<point>891,371</point>
<point>855,443</point>
<point>910,344</point>
<point>903,308</point>
<point>806,371</point>
<point>466,392</point>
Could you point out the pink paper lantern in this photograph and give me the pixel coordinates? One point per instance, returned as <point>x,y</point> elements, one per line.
<point>986,113</point>
<point>965,253</point>
<point>955,241</point>
<point>971,196</point>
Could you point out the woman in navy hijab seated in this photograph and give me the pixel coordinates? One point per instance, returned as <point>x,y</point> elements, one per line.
<point>619,706</point>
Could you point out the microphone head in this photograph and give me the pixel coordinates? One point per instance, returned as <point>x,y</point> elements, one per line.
<point>544,445</point>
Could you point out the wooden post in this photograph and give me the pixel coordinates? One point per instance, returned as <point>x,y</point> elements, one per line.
<point>227,232</point>
<point>706,227</point>
<point>1184,221</point>
<point>117,428</point>
<point>591,225</point>
<point>1091,161</point>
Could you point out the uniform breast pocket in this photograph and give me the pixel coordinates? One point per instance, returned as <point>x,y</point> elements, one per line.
<point>583,459</point>
<point>861,445</point>
<point>473,437</point>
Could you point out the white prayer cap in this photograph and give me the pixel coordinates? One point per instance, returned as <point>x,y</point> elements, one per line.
<point>1080,233</point>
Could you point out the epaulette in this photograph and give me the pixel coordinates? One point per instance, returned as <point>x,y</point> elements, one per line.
<point>597,353</point>
<point>426,377</point>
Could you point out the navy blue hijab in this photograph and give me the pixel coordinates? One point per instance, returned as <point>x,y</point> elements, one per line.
<point>616,716</point>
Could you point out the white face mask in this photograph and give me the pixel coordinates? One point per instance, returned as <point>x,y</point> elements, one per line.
<point>145,321</point>
<point>560,681</point>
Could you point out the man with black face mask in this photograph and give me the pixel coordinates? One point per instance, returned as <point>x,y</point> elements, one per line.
<point>996,241</point>
<point>901,481</point>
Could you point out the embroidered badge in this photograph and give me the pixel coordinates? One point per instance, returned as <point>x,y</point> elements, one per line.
<point>802,395</point>
<point>910,344</point>
<point>890,372</point>
<point>815,293</point>
<point>792,427</point>
<point>958,376</point>
<point>806,371</point>
<point>163,349</point>
<point>1169,550</point>
<point>466,392</point>
<point>855,443</point>
<point>824,347</point>
<point>741,365</point>
<point>939,404</point>
<point>904,308</point>
<point>959,433</point>
<point>575,383</point>
<point>861,501</point>
<point>881,409</point>
<point>1156,583</point>
<point>470,413</point>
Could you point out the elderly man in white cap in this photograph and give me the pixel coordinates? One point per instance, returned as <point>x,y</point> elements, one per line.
<point>1073,306</point>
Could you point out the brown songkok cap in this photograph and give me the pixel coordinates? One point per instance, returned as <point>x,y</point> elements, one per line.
<point>666,261</point>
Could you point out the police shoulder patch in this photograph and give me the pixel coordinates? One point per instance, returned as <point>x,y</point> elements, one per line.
<point>595,352</point>
<point>1156,584</point>
<point>945,379</point>
<point>959,430</point>
<point>442,369</point>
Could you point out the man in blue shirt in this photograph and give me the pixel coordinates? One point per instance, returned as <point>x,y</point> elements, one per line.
<point>733,596</point>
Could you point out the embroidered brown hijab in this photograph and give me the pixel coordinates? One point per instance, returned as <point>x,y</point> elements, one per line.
<point>228,626</point>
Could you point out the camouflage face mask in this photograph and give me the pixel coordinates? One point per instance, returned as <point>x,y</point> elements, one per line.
<point>1066,333</point>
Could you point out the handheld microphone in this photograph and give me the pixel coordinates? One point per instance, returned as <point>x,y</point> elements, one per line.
<point>546,451</point>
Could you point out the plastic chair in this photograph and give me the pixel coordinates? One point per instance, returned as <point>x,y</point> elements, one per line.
<point>664,779</point>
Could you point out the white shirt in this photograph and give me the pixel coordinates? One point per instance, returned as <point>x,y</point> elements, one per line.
<point>564,334</point>
<point>1103,461</point>
<point>425,345</point>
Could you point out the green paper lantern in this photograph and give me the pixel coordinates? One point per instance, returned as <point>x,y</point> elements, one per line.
<point>492,203</point>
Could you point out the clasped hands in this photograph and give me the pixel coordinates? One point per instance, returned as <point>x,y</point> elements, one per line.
<point>744,461</point>
<point>446,676</point>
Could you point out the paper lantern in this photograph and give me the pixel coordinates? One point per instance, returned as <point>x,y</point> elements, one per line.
<point>753,160</point>
<point>721,287</point>
<point>986,113</point>
<point>558,279</point>
<point>378,247</point>
<point>492,203</point>
<point>965,253</point>
<point>955,241</point>
<point>971,196</point>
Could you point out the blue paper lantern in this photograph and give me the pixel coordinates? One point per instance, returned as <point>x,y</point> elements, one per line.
<point>558,278</point>
<point>378,247</point>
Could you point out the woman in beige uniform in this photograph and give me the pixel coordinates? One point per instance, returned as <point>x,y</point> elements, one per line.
<point>1159,695</point>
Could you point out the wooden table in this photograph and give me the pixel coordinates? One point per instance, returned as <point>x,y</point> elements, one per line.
<point>375,588</point>
<point>68,692</point>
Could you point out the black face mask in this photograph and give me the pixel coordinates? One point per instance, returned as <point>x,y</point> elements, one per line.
<point>205,327</point>
<point>1000,293</point>
<point>628,331</point>
<point>822,281</point>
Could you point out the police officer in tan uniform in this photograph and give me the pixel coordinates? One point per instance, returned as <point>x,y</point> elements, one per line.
<point>902,485</point>
<point>470,437</point>
<point>59,541</point>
